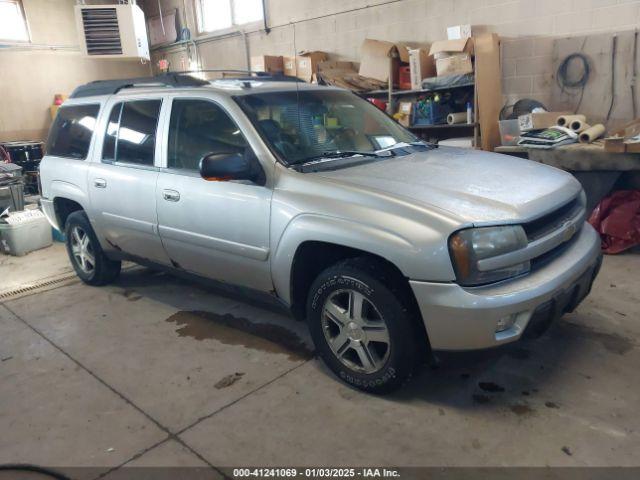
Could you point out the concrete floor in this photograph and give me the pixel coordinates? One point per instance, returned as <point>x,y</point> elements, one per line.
<point>129,375</point>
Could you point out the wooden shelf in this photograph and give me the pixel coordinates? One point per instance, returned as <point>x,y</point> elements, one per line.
<point>401,93</point>
<point>441,125</point>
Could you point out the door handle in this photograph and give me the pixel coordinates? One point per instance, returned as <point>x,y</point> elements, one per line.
<point>99,183</point>
<point>171,195</point>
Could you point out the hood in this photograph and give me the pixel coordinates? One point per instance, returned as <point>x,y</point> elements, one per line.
<point>478,187</point>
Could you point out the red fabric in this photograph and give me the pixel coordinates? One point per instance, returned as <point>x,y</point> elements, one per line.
<point>617,220</point>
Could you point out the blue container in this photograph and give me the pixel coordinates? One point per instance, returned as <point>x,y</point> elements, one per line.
<point>430,113</point>
<point>58,236</point>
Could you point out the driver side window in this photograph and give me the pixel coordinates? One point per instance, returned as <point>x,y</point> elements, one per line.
<point>198,128</point>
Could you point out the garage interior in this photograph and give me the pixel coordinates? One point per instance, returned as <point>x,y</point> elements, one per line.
<point>155,371</point>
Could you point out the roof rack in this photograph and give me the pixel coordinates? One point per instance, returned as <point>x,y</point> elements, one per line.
<point>109,87</point>
<point>171,79</point>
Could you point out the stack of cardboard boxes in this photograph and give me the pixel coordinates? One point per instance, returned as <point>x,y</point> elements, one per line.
<point>453,56</point>
<point>381,60</point>
<point>304,66</point>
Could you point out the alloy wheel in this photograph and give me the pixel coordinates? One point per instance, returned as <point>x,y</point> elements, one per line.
<point>355,331</point>
<point>82,250</point>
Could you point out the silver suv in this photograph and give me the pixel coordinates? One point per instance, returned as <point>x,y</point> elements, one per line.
<point>389,247</point>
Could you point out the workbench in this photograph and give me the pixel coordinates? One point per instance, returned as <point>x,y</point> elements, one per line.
<point>597,170</point>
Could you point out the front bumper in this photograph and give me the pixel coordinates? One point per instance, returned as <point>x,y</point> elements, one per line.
<point>460,318</point>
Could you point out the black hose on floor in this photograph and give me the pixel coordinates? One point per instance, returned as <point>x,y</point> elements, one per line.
<point>27,467</point>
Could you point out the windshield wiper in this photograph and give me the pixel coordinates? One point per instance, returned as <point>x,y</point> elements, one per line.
<point>330,155</point>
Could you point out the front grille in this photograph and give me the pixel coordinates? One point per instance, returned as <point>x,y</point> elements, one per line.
<point>559,219</point>
<point>548,257</point>
<point>101,31</point>
<point>546,224</point>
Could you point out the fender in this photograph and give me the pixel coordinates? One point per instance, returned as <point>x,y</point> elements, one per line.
<point>348,233</point>
<point>61,189</point>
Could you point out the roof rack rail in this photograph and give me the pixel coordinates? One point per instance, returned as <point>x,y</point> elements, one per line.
<point>171,79</point>
<point>251,75</point>
<point>109,87</point>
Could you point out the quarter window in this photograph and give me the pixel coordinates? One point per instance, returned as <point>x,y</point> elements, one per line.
<point>131,132</point>
<point>72,130</point>
<point>198,128</point>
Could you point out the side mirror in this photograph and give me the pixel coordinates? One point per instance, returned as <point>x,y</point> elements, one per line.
<point>225,166</point>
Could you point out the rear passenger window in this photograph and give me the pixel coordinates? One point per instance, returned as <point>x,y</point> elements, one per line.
<point>71,132</point>
<point>198,128</point>
<point>131,132</point>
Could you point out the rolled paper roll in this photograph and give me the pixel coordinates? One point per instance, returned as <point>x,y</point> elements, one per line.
<point>579,126</point>
<point>460,117</point>
<point>592,133</point>
<point>565,120</point>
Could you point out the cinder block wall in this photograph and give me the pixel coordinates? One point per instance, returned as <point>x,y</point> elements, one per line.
<point>527,28</point>
<point>50,63</point>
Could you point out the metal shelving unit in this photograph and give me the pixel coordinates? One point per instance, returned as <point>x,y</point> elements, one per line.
<point>438,130</point>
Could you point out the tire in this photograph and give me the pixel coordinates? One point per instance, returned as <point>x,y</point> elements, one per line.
<point>356,352</point>
<point>88,260</point>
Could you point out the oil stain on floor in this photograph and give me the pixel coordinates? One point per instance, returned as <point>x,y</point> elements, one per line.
<point>612,342</point>
<point>232,330</point>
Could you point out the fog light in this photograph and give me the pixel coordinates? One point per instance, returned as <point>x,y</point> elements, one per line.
<point>506,322</point>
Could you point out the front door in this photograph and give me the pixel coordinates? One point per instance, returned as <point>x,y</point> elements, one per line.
<point>122,184</point>
<point>218,229</point>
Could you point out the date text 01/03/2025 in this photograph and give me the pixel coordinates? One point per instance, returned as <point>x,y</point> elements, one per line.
<point>315,472</point>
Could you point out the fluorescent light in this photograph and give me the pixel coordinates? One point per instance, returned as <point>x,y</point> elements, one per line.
<point>132,136</point>
<point>88,122</point>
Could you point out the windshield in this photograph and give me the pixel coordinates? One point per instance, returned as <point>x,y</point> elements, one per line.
<point>305,125</point>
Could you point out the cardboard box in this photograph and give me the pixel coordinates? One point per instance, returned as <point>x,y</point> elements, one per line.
<point>267,63</point>
<point>421,66</point>
<point>538,121</point>
<point>458,32</point>
<point>404,113</point>
<point>458,64</point>
<point>378,58</point>
<point>453,57</point>
<point>336,65</point>
<point>345,75</point>
<point>463,45</point>
<point>623,140</point>
<point>289,66</point>
<point>488,91</point>
<point>307,64</point>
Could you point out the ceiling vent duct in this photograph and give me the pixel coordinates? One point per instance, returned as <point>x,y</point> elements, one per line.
<point>112,31</point>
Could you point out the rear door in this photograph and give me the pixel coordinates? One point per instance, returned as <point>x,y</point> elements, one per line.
<point>218,229</point>
<point>122,182</point>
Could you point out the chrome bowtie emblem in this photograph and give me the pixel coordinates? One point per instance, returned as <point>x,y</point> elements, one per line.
<point>569,232</point>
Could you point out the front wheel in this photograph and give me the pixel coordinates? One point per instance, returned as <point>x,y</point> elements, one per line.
<point>361,327</point>
<point>88,260</point>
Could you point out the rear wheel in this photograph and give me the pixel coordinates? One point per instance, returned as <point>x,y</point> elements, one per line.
<point>361,326</point>
<point>88,260</point>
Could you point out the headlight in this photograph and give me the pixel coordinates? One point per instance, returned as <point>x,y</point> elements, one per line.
<point>469,246</point>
